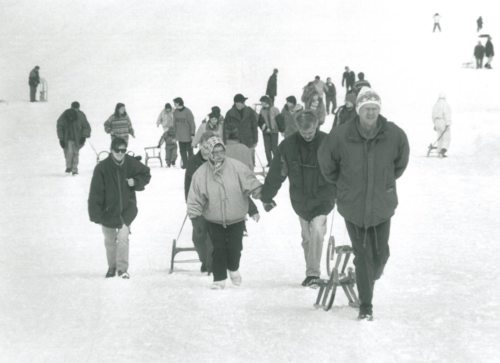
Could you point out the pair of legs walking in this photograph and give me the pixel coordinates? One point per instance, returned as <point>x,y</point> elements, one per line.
<point>116,242</point>
<point>270,145</point>
<point>170,154</point>
<point>313,235</point>
<point>71,154</point>
<point>371,252</point>
<point>203,244</point>
<point>186,151</point>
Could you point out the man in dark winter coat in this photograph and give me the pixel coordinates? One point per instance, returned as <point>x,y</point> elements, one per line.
<point>185,130</point>
<point>345,113</point>
<point>363,159</point>
<point>272,86</point>
<point>479,55</point>
<point>348,79</point>
<point>489,53</point>
<point>72,130</point>
<point>201,239</point>
<point>330,95</point>
<point>33,82</point>
<point>245,120</point>
<point>269,125</point>
<point>112,202</point>
<point>311,196</point>
<point>360,83</point>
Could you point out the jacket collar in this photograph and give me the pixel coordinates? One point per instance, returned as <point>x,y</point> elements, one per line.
<point>354,135</point>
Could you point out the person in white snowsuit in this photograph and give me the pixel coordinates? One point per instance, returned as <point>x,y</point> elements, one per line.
<point>441,116</point>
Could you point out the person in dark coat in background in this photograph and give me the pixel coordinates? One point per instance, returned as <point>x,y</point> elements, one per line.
<point>185,130</point>
<point>311,196</point>
<point>363,158</point>
<point>72,131</point>
<point>272,86</point>
<point>201,239</point>
<point>479,23</point>
<point>345,113</point>
<point>360,83</point>
<point>330,95</point>
<point>348,79</point>
<point>33,82</point>
<point>479,55</point>
<point>489,52</point>
<point>269,126</point>
<point>112,202</point>
<point>286,121</point>
<point>245,120</point>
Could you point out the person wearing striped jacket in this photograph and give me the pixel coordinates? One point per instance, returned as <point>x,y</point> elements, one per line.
<point>119,124</point>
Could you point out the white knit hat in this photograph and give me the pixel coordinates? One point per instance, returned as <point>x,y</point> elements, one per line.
<point>367,96</point>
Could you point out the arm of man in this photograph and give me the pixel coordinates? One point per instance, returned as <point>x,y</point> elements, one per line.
<point>253,126</point>
<point>96,197</point>
<point>277,174</point>
<point>197,198</point>
<point>401,161</point>
<point>86,129</point>
<point>107,124</point>
<point>140,173</point>
<point>329,159</point>
<point>192,125</point>
<point>60,127</point>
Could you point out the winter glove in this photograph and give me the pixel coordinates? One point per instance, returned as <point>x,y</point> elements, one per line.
<point>61,142</point>
<point>269,206</point>
<point>82,141</point>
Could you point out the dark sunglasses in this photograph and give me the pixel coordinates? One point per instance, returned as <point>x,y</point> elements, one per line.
<point>123,151</point>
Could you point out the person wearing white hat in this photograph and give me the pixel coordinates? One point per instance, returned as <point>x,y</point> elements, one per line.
<point>363,158</point>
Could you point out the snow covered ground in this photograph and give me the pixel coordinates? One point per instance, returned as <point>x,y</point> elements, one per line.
<point>438,299</point>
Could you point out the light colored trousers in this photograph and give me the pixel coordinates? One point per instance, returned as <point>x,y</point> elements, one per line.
<point>444,141</point>
<point>313,234</point>
<point>116,242</point>
<point>71,154</point>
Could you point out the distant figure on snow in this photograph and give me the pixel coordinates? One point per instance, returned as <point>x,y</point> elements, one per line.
<point>311,196</point>
<point>331,96</point>
<point>360,83</point>
<point>348,79</point>
<point>72,130</point>
<point>119,124</point>
<point>166,118</point>
<point>33,82</point>
<point>168,138</point>
<point>479,55</point>
<point>269,126</point>
<point>489,53</point>
<point>441,117</point>
<point>272,85</point>
<point>363,159</point>
<point>185,130</point>
<point>112,203</point>
<point>479,23</point>
<point>437,25</point>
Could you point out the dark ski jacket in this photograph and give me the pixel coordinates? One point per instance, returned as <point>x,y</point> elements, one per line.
<point>245,122</point>
<point>364,171</point>
<point>343,115</point>
<point>360,84</point>
<point>488,49</point>
<point>73,125</point>
<point>297,159</point>
<point>112,202</point>
<point>272,86</point>
<point>479,51</point>
<point>34,78</point>
<point>192,165</point>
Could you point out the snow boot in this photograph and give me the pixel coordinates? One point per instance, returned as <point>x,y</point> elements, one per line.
<point>442,153</point>
<point>111,272</point>
<point>68,170</point>
<point>124,275</point>
<point>218,285</point>
<point>311,281</point>
<point>365,314</point>
<point>235,277</point>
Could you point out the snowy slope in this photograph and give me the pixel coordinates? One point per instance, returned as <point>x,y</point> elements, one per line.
<point>438,300</point>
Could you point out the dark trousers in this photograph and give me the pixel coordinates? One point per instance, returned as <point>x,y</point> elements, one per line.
<point>186,151</point>
<point>371,252</point>
<point>170,154</point>
<point>202,243</point>
<point>436,26</point>
<point>228,243</point>
<point>479,62</point>
<point>32,93</point>
<point>270,145</point>
<point>333,102</point>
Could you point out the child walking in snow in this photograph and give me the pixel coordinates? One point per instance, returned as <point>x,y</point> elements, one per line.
<point>170,146</point>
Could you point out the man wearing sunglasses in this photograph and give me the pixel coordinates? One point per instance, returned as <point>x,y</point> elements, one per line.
<point>112,202</point>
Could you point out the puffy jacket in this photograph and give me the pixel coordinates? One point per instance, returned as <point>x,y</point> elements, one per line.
<point>112,202</point>
<point>364,171</point>
<point>297,159</point>
<point>267,120</point>
<point>488,49</point>
<point>245,122</point>
<point>343,115</point>
<point>165,119</point>
<point>479,51</point>
<point>236,150</point>
<point>319,111</point>
<point>290,122</point>
<point>205,126</point>
<point>272,86</point>
<point>184,124</point>
<point>72,129</point>
<point>221,196</point>
<point>120,126</point>
<point>34,78</point>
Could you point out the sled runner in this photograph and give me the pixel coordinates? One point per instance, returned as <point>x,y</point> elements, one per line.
<point>152,152</point>
<point>176,250</point>
<point>330,250</point>
<point>341,276</point>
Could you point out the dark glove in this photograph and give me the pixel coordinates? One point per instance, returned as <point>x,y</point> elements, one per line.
<point>82,141</point>
<point>61,142</point>
<point>269,205</point>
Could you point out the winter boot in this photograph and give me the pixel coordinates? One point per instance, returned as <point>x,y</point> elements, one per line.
<point>235,277</point>
<point>111,272</point>
<point>68,170</point>
<point>124,275</point>
<point>218,285</point>
<point>442,153</point>
<point>365,314</point>
<point>312,281</point>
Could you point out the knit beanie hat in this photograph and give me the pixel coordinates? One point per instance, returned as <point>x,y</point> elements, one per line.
<point>367,96</point>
